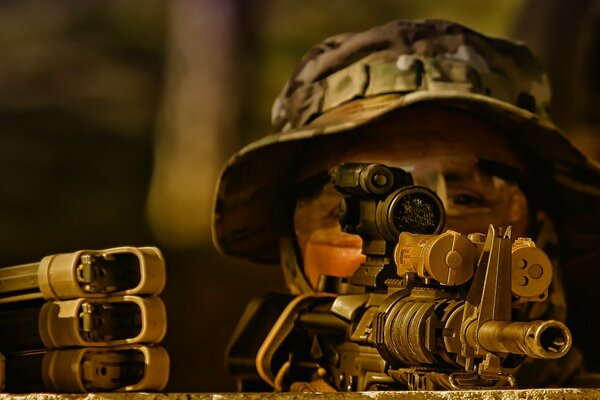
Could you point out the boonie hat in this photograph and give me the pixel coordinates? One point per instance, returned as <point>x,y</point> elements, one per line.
<point>351,82</point>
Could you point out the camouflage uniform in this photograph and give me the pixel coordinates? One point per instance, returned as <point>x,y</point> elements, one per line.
<point>350,83</point>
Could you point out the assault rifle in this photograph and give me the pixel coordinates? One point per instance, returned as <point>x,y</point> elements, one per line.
<point>426,310</point>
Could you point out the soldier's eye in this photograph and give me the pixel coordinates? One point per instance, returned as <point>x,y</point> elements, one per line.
<point>467,199</point>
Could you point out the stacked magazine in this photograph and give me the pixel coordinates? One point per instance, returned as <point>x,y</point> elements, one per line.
<point>85,321</point>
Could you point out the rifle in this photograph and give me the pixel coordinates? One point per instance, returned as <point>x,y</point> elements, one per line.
<point>426,310</point>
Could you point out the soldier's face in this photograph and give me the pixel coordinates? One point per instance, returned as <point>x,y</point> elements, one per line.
<point>473,196</point>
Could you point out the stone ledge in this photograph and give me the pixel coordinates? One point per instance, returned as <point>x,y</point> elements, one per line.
<point>531,394</point>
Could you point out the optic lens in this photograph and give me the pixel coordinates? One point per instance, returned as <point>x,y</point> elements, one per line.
<point>416,213</point>
<point>412,209</point>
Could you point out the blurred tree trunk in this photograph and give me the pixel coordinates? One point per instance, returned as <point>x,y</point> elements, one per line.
<point>196,128</point>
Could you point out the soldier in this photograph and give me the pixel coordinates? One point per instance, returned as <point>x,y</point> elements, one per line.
<point>466,114</point>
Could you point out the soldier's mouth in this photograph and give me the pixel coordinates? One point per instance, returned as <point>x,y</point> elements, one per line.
<point>339,257</point>
<point>350,244</point>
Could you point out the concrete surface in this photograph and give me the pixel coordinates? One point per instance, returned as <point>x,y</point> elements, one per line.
<point>532,394</point>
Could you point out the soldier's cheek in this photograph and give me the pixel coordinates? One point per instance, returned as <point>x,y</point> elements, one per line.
<point>335,258</point>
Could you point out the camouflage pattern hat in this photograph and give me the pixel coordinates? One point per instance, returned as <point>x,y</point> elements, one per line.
<point>375,74</point>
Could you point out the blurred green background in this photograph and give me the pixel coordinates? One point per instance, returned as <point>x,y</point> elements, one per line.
<point>116,117</point>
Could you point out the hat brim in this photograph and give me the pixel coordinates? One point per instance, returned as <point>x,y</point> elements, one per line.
<point>252,197</point>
